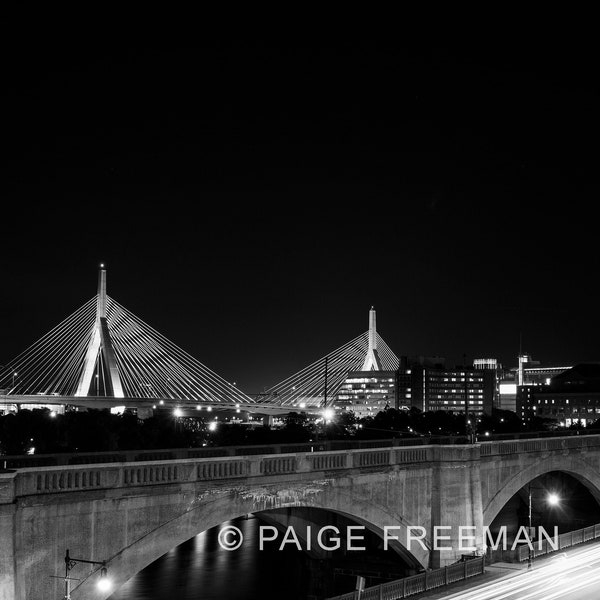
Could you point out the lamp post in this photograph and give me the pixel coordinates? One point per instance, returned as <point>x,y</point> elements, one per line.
<point>104,583</point>
<point>553,499</point>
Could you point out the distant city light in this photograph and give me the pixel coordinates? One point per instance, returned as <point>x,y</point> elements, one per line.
<point>328,414</point>
<point>212,426</point>
<point>553,499</point>
<point>198,407</point>
<point>177,412</point>
<point>302,404</point>
<point>162,402</point>
<point>53,413</point>
<point>209,409</point>
<point>237,410</point>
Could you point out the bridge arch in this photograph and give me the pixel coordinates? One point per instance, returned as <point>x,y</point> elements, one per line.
<point>218,508</point>
<point>577,467</point>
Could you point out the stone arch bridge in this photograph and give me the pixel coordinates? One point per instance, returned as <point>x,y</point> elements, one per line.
<point>131,513</point>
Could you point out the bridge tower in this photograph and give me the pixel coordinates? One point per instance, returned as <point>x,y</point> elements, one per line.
<point>100,346</point>
<point>372,360</point>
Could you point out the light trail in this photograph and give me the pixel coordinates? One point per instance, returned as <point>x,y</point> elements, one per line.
<point>575,577</point>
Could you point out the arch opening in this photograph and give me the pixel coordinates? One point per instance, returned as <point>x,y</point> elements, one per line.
<point>559,499</point>
<point>297,560</point>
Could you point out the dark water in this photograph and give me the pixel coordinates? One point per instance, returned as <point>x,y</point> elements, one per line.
<point>200,569</point>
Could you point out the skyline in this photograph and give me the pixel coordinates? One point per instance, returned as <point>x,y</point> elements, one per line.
<point>449,360</point>
<point>253,203</point>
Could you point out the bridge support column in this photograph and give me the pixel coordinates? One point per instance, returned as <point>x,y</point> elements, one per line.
<point>7,536</point>
<point>456,507</point>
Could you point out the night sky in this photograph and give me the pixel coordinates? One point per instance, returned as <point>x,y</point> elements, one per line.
<point>253,202</point>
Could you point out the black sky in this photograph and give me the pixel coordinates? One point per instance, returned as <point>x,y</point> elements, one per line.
<point>253,202</point>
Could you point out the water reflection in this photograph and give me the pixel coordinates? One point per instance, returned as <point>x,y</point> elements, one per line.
<point>201,569</point>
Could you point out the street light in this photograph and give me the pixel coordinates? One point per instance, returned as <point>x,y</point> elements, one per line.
<point>328,414</point>
<point>553,499</point>
<point>104,583</point>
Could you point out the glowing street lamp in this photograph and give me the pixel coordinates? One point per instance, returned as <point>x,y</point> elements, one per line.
<point>553,499</point>
<point>104,583</point>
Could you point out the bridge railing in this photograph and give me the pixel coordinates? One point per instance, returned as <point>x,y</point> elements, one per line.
<point>496,448</point>
<point>490,446</point>
<point>565,540</point>
<point>422,582</point>
<point>74,478</point>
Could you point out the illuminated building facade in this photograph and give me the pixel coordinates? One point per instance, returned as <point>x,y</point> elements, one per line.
<point>528,374</point>
<point>368,392</point>
<point>419,385</point>
<point>453,390</point>
<point>572,396</point>
<point>490,364</point>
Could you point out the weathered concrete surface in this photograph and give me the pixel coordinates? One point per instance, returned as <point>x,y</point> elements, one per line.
<point>130,514</point>
<point>134,529</point>
<point>8,509</point>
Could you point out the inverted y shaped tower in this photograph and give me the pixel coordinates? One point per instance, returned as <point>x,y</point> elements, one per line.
<point>100,346</point>
<point>372,360</point>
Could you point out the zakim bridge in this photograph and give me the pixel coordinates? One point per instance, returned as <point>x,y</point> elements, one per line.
<point>104,356</point>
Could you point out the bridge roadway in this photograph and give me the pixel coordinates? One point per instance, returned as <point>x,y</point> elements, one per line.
<point>147,404</point>
<point>131,513</point>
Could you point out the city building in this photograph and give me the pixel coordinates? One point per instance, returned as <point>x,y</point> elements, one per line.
<point>490,364</point>
<point>368,392</point>
<point>569,397</point>
<point>423,383</point>
<point>453,390</point>
<point>528,373</point>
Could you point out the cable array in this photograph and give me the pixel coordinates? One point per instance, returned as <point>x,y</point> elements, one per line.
<point>53,364</point>
<point>149,365</point>
<point>307,387</point>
